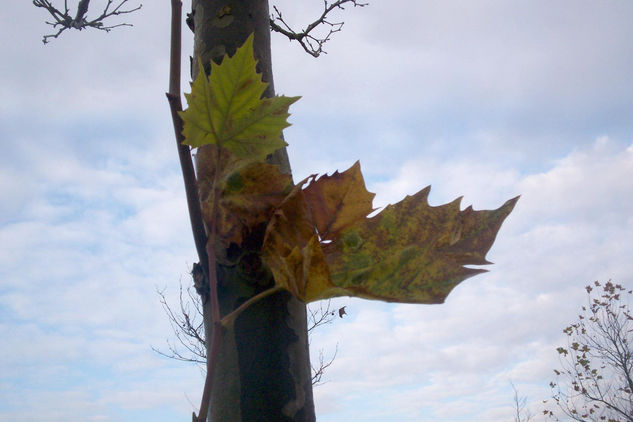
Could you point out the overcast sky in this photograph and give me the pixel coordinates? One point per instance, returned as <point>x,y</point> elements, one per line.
<point>483,98</point>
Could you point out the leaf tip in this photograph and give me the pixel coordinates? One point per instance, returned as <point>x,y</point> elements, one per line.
<point>510,203</point>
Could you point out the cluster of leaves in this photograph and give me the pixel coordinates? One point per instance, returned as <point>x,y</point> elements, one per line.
<point>319,242</point>
<point>596,379</point>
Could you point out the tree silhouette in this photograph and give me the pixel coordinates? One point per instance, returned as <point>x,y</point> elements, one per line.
<point>595,381</point>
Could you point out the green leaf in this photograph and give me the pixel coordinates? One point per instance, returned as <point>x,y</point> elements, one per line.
<point>227,108</point>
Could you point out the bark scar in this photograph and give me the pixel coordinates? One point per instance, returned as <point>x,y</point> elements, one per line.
<point>223,17</point>
<point>224,11</point>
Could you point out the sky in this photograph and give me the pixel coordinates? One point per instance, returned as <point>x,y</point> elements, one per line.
<point>485,99</point>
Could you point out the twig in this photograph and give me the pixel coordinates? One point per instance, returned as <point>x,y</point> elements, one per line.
<point>217,334</point>
<point>317,373</point>
<point>187,326</point>
<point>321,316</point>
<point>184,154</point>
<point>65,21</point>
<point>313,45</point>
<point>521,412</point>
<point>207,260</point>
<point>216,339</point>
<point>190,332</point>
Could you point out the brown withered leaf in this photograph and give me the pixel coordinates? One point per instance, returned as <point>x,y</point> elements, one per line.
<point>413,252</point>
<point>410,252</point>
<point>341,311</point>
<point>248,193</point>
<point>338,201</point>
<point>292,250</point>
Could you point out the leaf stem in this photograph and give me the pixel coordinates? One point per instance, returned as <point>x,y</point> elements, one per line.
<point>230,318</point>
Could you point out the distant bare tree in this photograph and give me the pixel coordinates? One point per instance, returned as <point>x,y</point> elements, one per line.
<point>188,327</point>
<point>521,412</point>
<point>596,380</point>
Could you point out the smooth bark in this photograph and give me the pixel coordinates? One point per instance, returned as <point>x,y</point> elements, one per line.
<point>263,368</point>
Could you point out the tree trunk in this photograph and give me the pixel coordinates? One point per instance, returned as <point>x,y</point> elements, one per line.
<point>263,369</point>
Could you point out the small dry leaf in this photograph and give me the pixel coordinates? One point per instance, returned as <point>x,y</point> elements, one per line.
<point>342,312</point>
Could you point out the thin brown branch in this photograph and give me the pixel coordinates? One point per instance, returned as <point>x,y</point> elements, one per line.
<point>207,260</point>
<point>184,153</point>
<point>82,9</point>
<point>312,44</point>
<point>63,20</point>
<point>177,356</point>
<point>114,12</point>
<point>216,340</point>
<point>217,334</point>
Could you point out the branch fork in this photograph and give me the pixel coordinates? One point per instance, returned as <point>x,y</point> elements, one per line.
<point>312,44</point>
<point>64,20</point>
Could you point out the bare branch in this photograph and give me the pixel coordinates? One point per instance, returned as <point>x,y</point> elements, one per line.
<point>200,271</point>
<point>63,20</point>
<point>318,316</point>
<point>188,327</point>
<point>312,44</point>
<point>187,324</point>
<point>317,372</point>
<point>521,412</point>
<point>595,382</point>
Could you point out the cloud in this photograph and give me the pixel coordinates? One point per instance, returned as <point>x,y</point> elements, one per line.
<point>95,223</point>
<point>532,80</point>
<point>570,227</point>
<point>486,100</point>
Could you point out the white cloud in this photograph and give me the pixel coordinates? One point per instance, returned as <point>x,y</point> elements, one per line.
<point>570,227</point>
<point>478,99</point>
